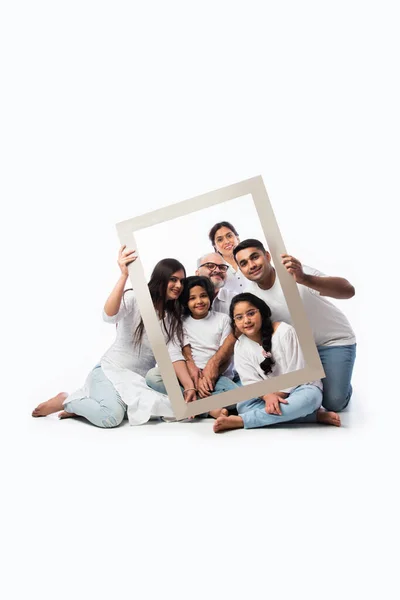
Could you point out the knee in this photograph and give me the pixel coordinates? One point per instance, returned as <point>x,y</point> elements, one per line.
<point>153,377</point>
<point>335,402</point>
<point>111,417</point>
<point>155,381</point>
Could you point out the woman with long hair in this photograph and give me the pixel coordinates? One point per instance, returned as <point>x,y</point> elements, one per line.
<point>224,239</point>
<point>267,349</point>
<point>116,385</point>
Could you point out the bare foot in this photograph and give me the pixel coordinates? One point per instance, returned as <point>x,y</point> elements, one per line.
<point>328,417</point>
<point>223,423</point>
<point>51,406</point>
<point>218,412</point>
<point>65,415</point>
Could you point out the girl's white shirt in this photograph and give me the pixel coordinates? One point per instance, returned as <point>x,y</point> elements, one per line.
<point>206,336</point>
<point>285,350</point>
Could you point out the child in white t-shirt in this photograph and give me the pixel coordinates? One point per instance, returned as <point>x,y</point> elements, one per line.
<point>267,349</point>
<point>205,330</point>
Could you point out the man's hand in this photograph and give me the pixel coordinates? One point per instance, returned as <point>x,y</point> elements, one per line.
<point>203,387</point>
<point>294,267</point>
<point>272,402</point>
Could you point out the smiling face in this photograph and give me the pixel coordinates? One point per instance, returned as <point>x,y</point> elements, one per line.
<point>225,241</point>
<point>174,287</point>
<point>211,268</point>
<point>248,320</point>
<point>255,265</point>
<point>198,302</point>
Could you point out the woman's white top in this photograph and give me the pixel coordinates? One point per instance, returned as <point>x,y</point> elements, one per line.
<point>205,337</point>
<point>285,350</point>
<point>126,364</point>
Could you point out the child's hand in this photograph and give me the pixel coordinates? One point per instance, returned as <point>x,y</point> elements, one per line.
<point>194,372</point>
<point>272,402</point>
<point>190,395</point>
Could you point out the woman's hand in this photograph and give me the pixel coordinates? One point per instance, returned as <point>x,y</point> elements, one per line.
<point>125,258</point>
<point>272,402</point>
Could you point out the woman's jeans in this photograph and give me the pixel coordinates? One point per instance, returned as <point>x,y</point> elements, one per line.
<point>103,406</point>
<point>303,402</point>
<point>338,362</point>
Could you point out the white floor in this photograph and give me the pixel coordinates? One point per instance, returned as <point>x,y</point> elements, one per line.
<point>174,510</point>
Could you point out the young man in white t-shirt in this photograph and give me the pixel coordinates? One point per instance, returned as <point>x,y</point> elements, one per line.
<point>333,334</point>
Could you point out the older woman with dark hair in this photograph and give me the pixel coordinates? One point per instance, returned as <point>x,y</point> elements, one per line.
<point>224,238</point>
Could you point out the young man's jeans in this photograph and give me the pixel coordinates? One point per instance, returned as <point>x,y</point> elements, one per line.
<point>303,402</point>
<point>338,362</point>
<point>103,406</point>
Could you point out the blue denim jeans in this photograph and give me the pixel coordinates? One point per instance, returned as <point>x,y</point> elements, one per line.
<point>104,406</point>
<point>303,403</point>
<point>154,380</point>
<point>338,362</point>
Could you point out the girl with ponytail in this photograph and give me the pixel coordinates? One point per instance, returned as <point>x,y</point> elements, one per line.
<point>267,349</point>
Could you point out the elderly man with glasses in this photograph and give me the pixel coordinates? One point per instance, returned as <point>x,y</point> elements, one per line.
<point>215,268</point>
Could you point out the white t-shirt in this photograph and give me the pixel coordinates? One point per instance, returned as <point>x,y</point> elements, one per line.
<point>285,350</point>
<point>205,337</point>
<point>222,301</point>
<point>329,325</point>
<point>235,281</point>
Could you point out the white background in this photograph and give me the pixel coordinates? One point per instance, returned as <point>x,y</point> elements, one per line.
<point>110,110</point>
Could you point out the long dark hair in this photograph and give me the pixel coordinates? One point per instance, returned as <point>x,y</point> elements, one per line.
<point>266,325</point>
<point>191,282</point>
<point>158,289</point>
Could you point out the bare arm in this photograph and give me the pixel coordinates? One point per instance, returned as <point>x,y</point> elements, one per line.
<point>185,380</point>
<point>217,364</point>
<point>334,287</point>
<point>113,302</point>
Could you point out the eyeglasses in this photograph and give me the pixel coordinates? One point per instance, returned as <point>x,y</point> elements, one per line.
<point>249,313</point>
<point>212,266</point>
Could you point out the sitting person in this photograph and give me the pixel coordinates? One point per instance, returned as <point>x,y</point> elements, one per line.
<point>116,386</point>
<point>333,334</point>
<point>204,330</point>
<point>267,349</point>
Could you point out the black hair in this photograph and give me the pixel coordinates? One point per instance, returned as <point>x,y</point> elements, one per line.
<point>158,289</point>
<point>191,282</point>
<point>215,228</point>
<point>248,244</point>
<point>266,325</point>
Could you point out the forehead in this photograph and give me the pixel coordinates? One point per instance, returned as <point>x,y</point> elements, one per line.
<point>247,252</point>
<point>213,257</point>
<point>178,274</point>
<point>241,307</point>
<point>197,289</point>
<point>223,231</point>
